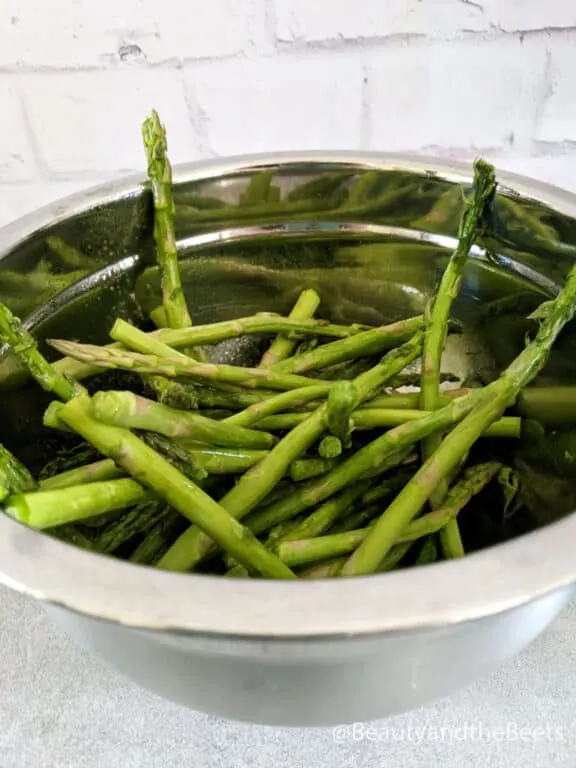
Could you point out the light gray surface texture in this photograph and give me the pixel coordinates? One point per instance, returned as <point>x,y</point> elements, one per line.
<point>60,707</point>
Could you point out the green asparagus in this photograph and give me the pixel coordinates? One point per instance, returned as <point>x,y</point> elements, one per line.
<point>125,409</point>
<point>483,191</point>
<point>283,346</point>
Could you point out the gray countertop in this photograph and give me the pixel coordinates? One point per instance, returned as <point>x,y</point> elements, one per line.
<point>60,707</point>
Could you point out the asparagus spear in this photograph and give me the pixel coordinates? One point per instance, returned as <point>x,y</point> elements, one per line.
<point>125,409</point>
<point>374,418</point>
<point>306,549</point>
<point>360,518</point>
<point>13,333</point>
<point>484,188</point>
<point>332,568</point>
<point>98,471</point>
<point>108,357</point>
<point>14,476</point>
<point>48,509</point>
<point>212,334</point>
<point>140,461</point>
<point>157,538</point>
<point>365,343</point>
<point>283,346</point>
<point>160,176</point>
<point>263,322</point>
<point>323,517</point>
<point>491,403</point>
<point>253,487</point>
<point>428,553</point>
<point>138,520</point>
<point>294,398</point>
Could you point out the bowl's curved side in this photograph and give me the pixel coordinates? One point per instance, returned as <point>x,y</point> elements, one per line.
<point>315,683</point>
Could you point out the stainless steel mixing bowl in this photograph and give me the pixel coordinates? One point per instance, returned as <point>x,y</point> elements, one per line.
<point>371,233</point>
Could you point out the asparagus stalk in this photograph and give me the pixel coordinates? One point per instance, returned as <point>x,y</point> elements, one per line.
<point>333,567</point>
<point>484,188</point>
<point>262,323</point>
<point>125,409</point>
<point>160,176</point>
<point>140,461</point>
<point>428,553</point>
<point>108,357</point>
<point>360,518</point>
<point>136,521</point>
<point>253,486</point>
<point>374,418</point>
<point>371,342</point>
<point>283,346</point>
<point>13,333</point>
<point>157,539</point>
<point>48,509</point>
<point>294,398</point>
<point>491,403</point>
<point>72,535</point>
<point>96,472</point>
<point>168,392</point>
<point>323,517</point>
<point>305,549</point>
<point>14,476</point>
<point>214,333</point>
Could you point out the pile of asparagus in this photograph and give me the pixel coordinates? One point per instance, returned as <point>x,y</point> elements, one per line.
<point>313,463</point>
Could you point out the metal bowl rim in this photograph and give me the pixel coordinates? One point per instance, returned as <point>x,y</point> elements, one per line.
<point>485,583</point>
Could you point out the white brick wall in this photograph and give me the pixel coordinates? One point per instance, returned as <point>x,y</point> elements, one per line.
<point>454,77</point>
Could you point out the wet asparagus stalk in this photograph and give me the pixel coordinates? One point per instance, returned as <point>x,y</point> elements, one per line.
<point>372,342</point>
<point>283,346</point>
<point>125,409</point>
<point>332,568</point>
<point>108,357</point>
<point>428,552</point>
<point>214,333</point>
<point>160,176</point>
<point>98,471</point>
<point>14,476</point>
<point>308,550</point>
<point>295,398</point>
<point>135,521</point>
<point>13,333</point>
<point>491,403</point>
<point>48,509</point>
<point>484,187</point>
<point>155,541</point>
<point>140,461</point>
<point>374,418</point>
